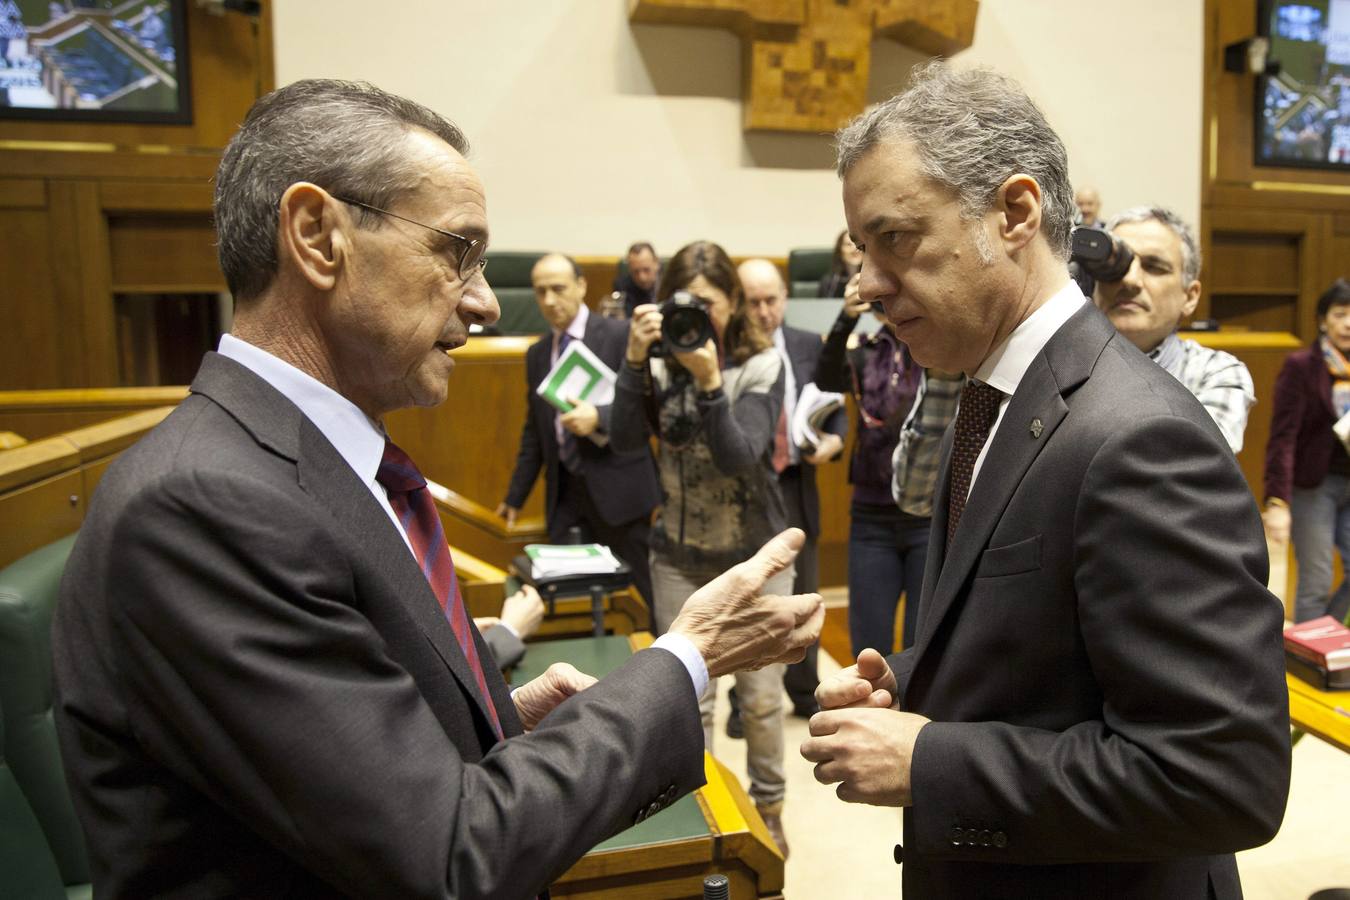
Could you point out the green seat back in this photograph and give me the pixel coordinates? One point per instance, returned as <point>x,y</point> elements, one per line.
<point>28,593</point>
<point>806,266</point>
<point>814,314</point>
<point>509,274</point>
<point>27,866</point>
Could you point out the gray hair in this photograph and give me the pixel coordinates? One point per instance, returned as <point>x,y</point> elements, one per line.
<point>973,130</point>
<point>340,135</point>
<point>1190,247</point>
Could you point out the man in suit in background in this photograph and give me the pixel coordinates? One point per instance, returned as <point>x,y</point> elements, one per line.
<point>266,680</point>
<point>1095,704</point>
<point>766,296</point>
<point>608,496</point>
<point>638,284</point>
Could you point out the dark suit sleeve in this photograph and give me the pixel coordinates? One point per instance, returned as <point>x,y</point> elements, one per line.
<point>254,678</point>
<point>530,455</point>
<point>1292,395</point>
<point>1191,753</point>
<point>741,434</point>
<point>628,429</point>
<point>507,649</point>
<point>832,368</point>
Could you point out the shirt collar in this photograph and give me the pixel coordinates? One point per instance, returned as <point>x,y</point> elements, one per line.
<point>577,327</point>
<point>1004,368</point>
<point>780,339</point>
<point>355,437</point>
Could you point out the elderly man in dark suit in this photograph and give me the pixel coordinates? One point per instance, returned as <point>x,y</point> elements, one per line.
<point>1095,704</point>
<point>608,496</point>
<point>267,683</point>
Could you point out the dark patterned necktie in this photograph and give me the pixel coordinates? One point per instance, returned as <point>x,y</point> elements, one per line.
<point>416,511</point>
<point>567,441</point>
<point>974,418</point>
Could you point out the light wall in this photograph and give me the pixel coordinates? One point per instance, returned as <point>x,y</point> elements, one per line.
<point>590,132</point>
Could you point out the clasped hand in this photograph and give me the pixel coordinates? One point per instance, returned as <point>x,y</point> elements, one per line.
<point>860,740</point>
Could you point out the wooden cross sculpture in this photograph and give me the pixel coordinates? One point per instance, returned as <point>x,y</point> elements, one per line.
<point>807,61</point>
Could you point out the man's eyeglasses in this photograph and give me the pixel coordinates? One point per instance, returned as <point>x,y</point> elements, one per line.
<point>471,258</point>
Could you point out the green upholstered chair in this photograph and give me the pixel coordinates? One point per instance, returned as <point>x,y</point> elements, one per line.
<point>806,266</point>
<point>509,274</point>
<point>31,755</point>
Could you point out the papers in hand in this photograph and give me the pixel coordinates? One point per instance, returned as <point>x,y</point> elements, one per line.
<point>560,560</point>
<point>578,375</point>
<point>1342,429</point>
<point>814,406</point>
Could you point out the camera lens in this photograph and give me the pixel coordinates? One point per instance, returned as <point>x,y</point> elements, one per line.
<point>685,330</point>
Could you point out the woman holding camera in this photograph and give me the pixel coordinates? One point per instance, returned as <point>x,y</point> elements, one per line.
<point>714,404</point>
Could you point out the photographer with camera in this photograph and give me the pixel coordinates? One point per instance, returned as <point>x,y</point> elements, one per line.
<point>1146,304</point>
<point>701,375</point>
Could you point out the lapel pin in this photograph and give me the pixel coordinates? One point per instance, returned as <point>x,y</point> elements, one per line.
<point>1036,428</point>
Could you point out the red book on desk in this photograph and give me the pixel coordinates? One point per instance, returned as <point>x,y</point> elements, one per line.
<point>1324,641</point>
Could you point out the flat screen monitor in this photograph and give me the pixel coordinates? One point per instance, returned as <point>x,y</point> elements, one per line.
<point>94,61</point>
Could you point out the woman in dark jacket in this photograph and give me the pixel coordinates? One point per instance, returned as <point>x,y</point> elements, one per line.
<point>715,412</point>
<point>1307,476</point>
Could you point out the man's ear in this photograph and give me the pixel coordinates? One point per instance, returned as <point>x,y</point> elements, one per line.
<point>1019,203</point>
<point>581,283</point>
<point>1192,299</point>
<point>312,234</point>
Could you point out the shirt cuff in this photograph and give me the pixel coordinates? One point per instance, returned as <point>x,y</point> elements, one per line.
<point>686,653</point>
<point>503,624</point>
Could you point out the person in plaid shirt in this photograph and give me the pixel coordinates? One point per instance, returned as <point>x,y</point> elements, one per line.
<point>1161,288</point>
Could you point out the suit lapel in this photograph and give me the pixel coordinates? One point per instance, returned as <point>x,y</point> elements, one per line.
<point>323,474</point>
<point>1063,364</point>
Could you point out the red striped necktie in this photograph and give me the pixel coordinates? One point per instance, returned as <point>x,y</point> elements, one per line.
<point>412,503</point>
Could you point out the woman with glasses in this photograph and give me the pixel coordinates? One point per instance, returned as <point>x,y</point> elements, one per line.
<point>887,545</point>
<point>715,411</point>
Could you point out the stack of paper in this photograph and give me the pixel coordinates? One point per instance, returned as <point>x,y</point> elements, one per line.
<point>561,560</point>
<point>578,375</point>
<point>814,406</point>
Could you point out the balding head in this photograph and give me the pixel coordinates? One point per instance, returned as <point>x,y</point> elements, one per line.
<point>1089,204</point>
<point>559,289</point>
<point>765,293</point>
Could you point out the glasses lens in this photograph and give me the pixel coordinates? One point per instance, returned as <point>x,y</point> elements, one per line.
<point>473,255</point>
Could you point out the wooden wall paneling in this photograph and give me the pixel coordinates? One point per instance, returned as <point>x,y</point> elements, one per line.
<point>157,254</point>
<point>1264,269</point>
<point>39,513</point>
<point>96,301</point>
<point>69,344</point>
<point>32,319</point>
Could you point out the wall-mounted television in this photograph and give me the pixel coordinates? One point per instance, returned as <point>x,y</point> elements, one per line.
<point>94,61</point>
<point>1303,112</point>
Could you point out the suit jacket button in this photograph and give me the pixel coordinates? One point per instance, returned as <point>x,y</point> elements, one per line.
<point>1000,840</point>
<point>958,836</point>
<point>984,838</point>
<point>899,854</point>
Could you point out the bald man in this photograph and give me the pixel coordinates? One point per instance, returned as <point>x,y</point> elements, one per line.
<point>1089,203</point>
<point>766,298</point>
<point>609,496</point>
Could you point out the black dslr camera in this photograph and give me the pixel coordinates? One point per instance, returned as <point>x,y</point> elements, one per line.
<point>685,325</point>
<point>1097,255</point>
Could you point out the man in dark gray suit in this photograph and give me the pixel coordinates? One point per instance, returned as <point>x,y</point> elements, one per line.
<point>1095,704</point>
<point>267,684</point>
<point>607,496</point>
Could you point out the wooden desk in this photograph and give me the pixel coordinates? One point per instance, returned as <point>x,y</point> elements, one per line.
<point>1323,713</point>
<point>713,830</point>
